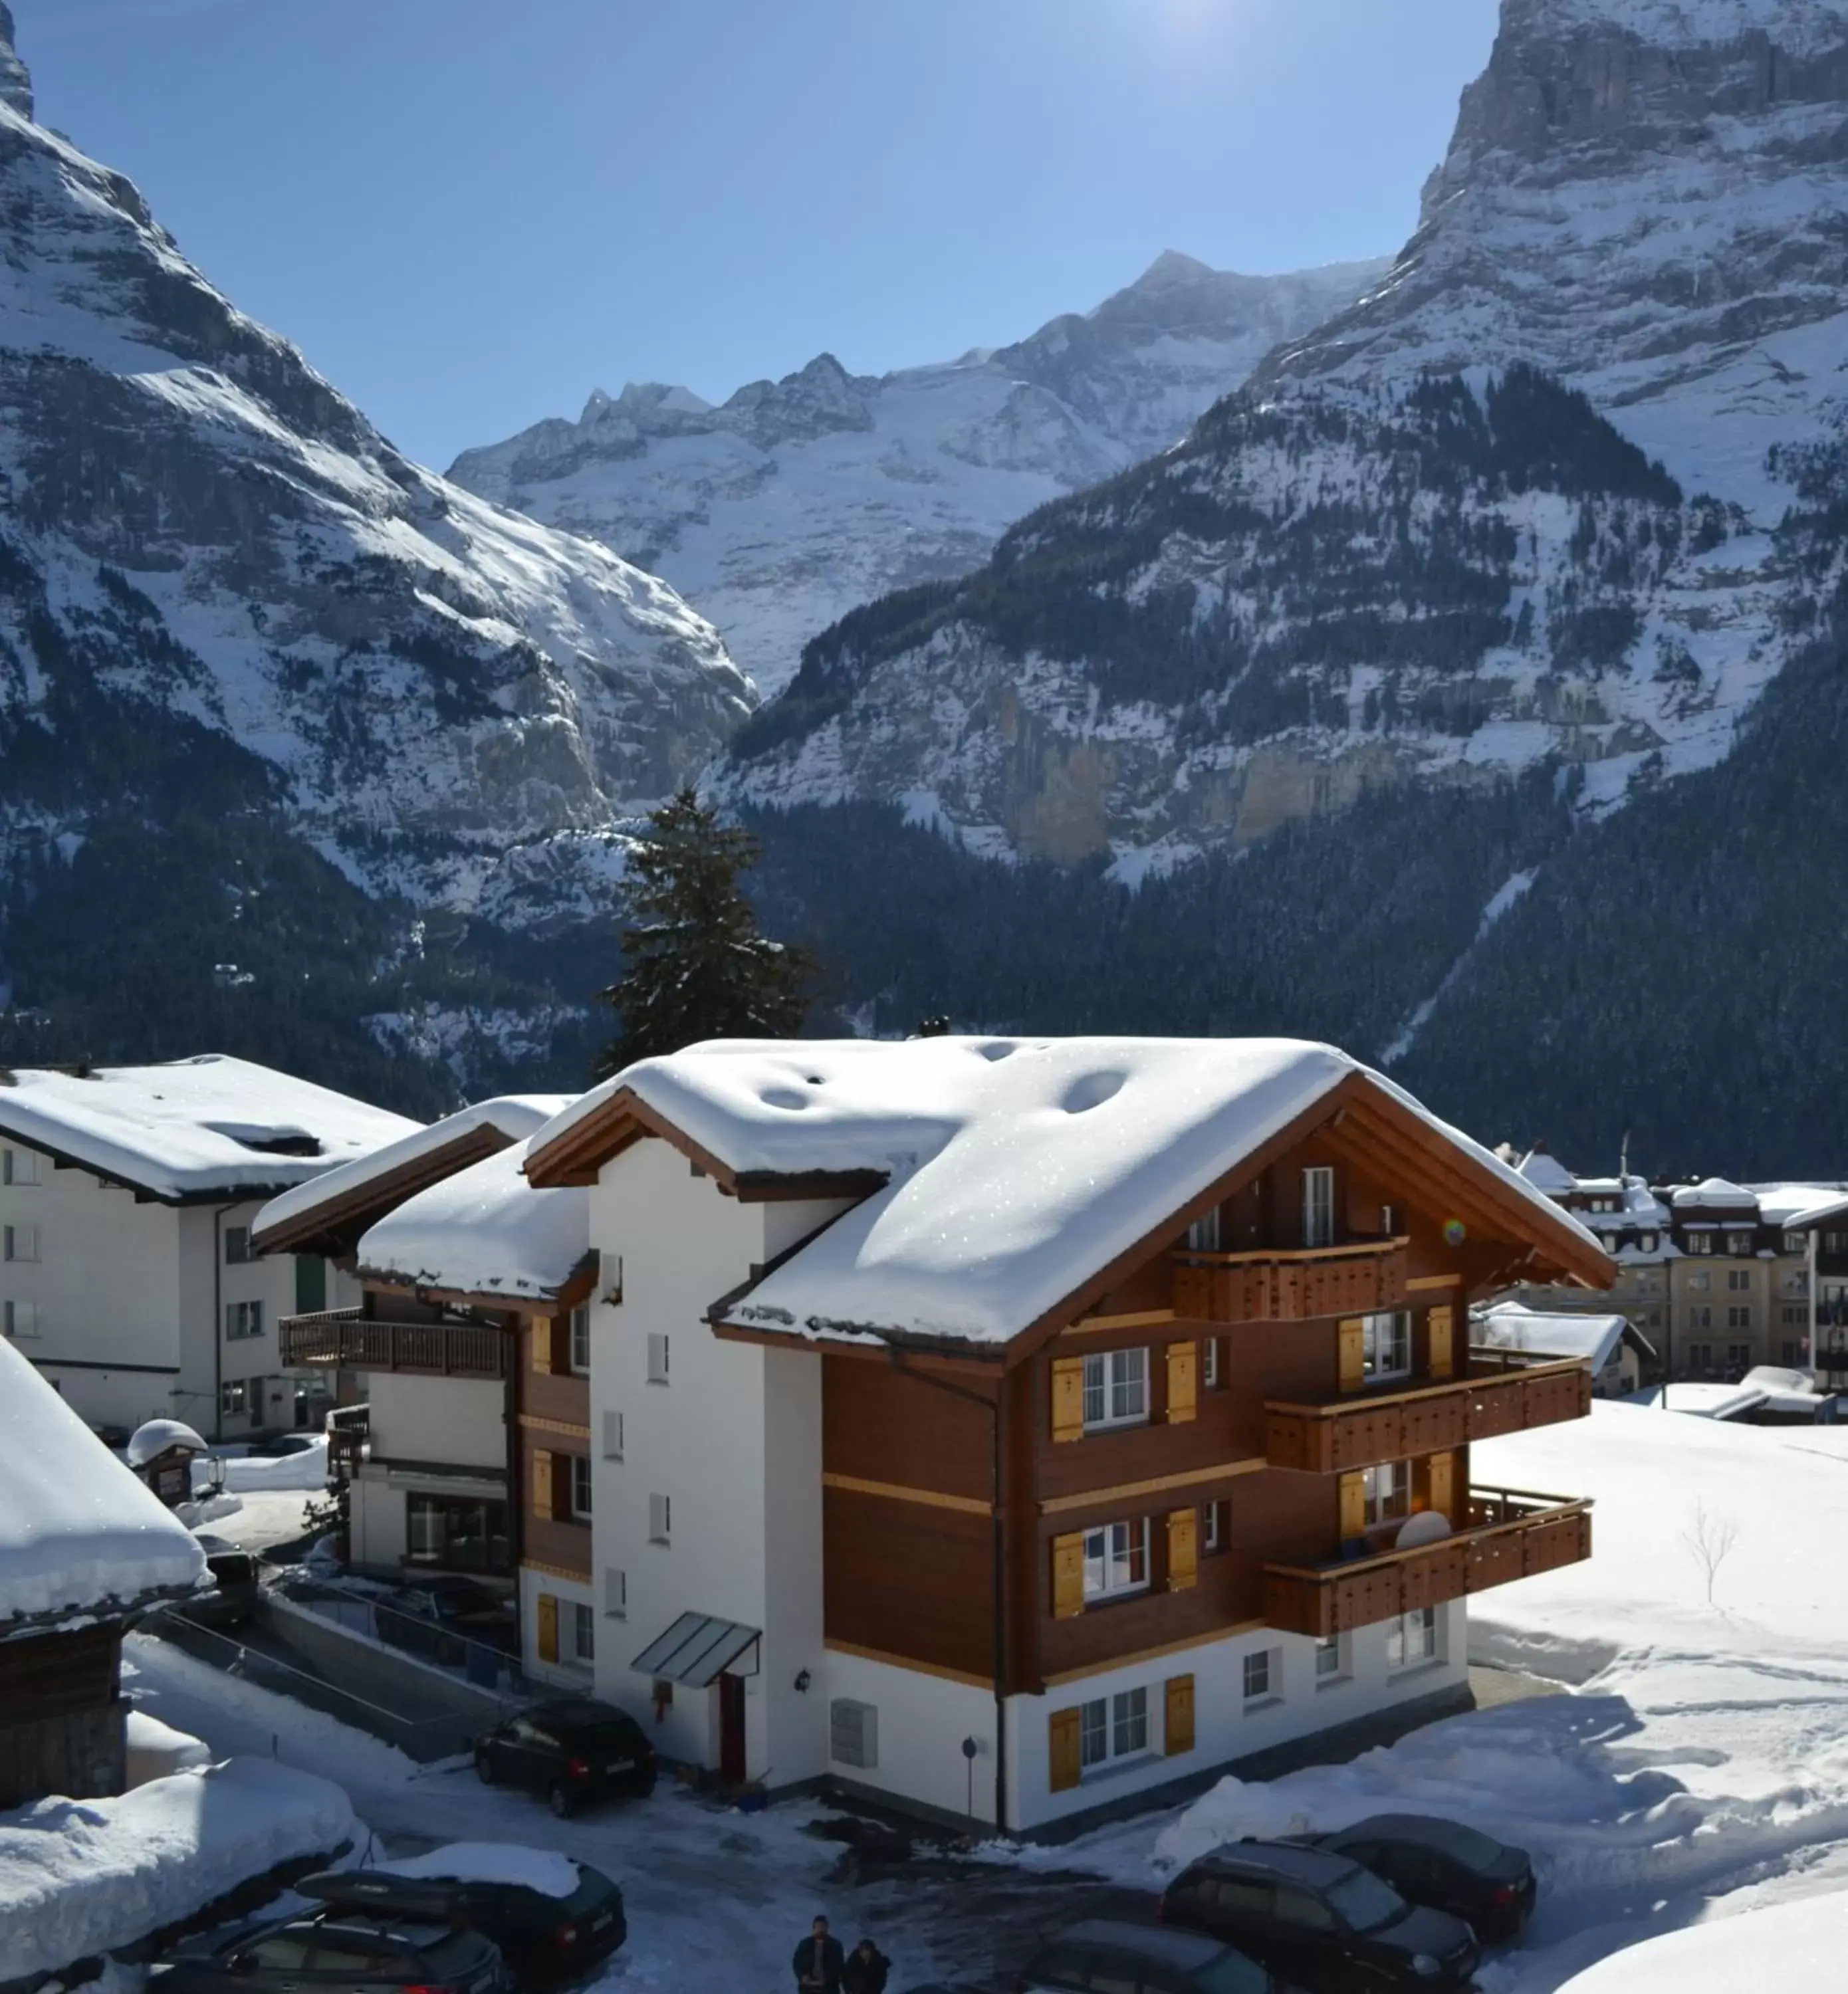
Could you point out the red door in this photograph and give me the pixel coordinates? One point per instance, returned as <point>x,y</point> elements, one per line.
<point>731,1730</point>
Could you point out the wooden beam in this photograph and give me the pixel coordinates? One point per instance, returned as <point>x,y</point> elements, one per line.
<point>1127,1492</point>
<point>893,1492</point>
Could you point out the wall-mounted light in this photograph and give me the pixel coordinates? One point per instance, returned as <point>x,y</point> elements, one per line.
<point>803,1679</point>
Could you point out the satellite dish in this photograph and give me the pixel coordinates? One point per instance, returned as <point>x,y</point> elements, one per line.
<point>1428,1526</point>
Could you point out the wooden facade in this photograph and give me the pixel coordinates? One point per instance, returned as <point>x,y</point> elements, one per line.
<point>63,1720</point>
<point>553,1414</point>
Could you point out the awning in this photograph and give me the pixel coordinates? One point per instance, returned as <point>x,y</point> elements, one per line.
<point>697,1649</point>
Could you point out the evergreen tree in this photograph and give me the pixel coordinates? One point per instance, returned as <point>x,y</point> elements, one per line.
<point>695,964</point>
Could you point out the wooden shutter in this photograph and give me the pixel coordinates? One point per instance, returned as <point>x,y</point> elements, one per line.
<point>1068,1575</point>
<point>1067,1398</point>
<point>1183,1549</point>
<point>1064,1750</point>
<point>542,1343</point>
<point>1437,1484</point>
<point>1178,1735</point>
<point>1353,1353</point>
<point>1183,1381</point>
<point>1353,1505</point>
<point>543,1501</point>
<point>1441,1322</point>
<point>548,1628</point>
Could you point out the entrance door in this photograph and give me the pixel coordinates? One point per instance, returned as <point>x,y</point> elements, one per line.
<point>731,1729</point>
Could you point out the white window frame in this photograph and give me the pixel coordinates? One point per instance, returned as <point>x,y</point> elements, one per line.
<point>1386,1335</point>
<point>1733,1240</point>
<point>1111,1553</point>
<point>1113,1730</point>
<point>1700,1243</point>
<point>1209,1365</point>
<point>1331,1660</point>
<point>584,1632</point>
<point>1117,1383</point>
<point>612,1435</point>
<point>233,1398</point>
<point>582,1486</point>
<point>243,1321</point>
<point>660,1519</point>
<point>615,1593</point>
<point>658,1358</point>
<point>578,1334</point>
<point>1260,1677</point>
<point>23,1322</point>
<point>21,1245</point>
<point>1413,1640</point>
<point>1210,1539</point>
<point>21,1169</point>
<point>1796,1242</point>
<point>1388,1488</point>
<point>1319,1205</point>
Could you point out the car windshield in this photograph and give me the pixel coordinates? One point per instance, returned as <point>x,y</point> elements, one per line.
<point>1233,1974</point>
<point>1363,1903</point>
<point>1475,1851</point>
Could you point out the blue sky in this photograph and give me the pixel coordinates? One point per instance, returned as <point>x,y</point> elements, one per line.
<point>469,213</point>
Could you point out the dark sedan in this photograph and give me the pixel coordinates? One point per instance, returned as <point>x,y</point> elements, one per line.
<point>338,1952</point>
<point>1446,1866</point>
<point>574,1751</point>
<point>1321,1921</point>
<point>438,1617</point>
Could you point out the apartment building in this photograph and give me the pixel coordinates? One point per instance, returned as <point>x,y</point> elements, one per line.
<point>1025,1424</point>
<point>128,1275</point>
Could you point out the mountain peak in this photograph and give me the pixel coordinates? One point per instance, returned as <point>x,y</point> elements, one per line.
<point>15,79</point>
<point>1800,28</point>
<point>1172,266</point>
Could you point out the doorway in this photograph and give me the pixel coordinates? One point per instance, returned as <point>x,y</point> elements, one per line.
<point>731,1730</point>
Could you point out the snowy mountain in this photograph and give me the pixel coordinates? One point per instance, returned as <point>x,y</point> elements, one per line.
<point>779,511</point>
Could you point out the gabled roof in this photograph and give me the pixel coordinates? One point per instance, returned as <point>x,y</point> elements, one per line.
<point>996,1176</point>
<point>328,1214</point>
<point>1593,1340</point>
<point>1714,1193</point>
<point>208,1128</point>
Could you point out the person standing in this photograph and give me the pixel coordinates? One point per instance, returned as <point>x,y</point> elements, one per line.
<point>818,1961</point>
<point>865,1970</point>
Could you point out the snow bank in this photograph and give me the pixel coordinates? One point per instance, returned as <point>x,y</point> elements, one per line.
<point>78,1530</point>
<point>542,1869</point>
<point>486,1231</point>
<point>156,1751</point>
<point>81,1877</point>
<point>247,1474</point>
<point>1788,1948</point>
<point>150,1441</point>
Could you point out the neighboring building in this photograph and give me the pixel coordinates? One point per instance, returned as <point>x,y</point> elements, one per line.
<point>127,1271</point>
<point>1099,1402</point>
<point>83,1545</point>
<point>1821,1226</point>
<point>1609,1346</point>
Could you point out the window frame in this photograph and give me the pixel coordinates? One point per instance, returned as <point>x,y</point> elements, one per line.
<point>1397,1487</point>
<point>1114,1382</point>
<point>1205,1233</point>
<point>423,1507</point>
<point>612,1431</point>
<point>22,1246</point>
<point>1106,1722</point>
<point>1136,1550</point>
<point>233,1398</point>
<point>243,1321</point>
<point>1427,1646</point>
<point>659,1358</point>
<point>1733,1247</point>
<point>1372,1370</point>
<point>1318,1206</point>
<point>1258,1665</point>
<point>1739,1281</point>
<point>1739,1315</point>
<point>583,1487</point>
<point>661,1518</point>
<point>1699,1242</point>
<point>578,1332</point>
<point>22,1321</point>
<point>1797,1242</point>
<point>21,1169</point>
<point>1333,1650</point>
<point>237,1246</point>
<point>1211,1377</point>
<point>615,1593</point>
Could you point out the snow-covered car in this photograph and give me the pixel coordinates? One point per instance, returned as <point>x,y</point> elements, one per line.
<point>350,1952</point>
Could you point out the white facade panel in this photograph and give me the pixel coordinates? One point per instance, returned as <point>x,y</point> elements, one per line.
<point>923,1720</point>
<point>460,1422</point>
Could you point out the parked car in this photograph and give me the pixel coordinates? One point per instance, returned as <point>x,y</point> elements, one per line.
<point>1101,1954</point>
<point>235,1600</point>
<point>337,1950</point>
<point>542,1937</point>
<point>273,1447</point>
<point>436,1616</point>
<point>1321,1920</point>
<point>1446,1866</point>
<point>573,1751</point>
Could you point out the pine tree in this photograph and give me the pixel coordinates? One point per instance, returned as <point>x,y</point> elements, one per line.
<point>695,965</point>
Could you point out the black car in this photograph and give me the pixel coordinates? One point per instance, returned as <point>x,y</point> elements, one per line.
<point>1321,1920</point>
<point>1102,1954</point>
<point>235,1601</point>
<point>572,1751</point>
<point>438,1616</point>
<point>1446,1866</point>
<point>338,1952</point>
<point>542,1937</point>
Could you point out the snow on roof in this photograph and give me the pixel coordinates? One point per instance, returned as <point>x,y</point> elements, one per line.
<point>1545,1172</point>
<point>1593,1339</point>
<point>1702,1400</point>
<point>195,1128</point>
<point>1789,1947</point>
<point>484,1231</point>
<point>1715,1191</point>
<point>1796,1205</point>
<point>79,1531</point>
<point>541,1869</point>
<point>1019,1167</point>
<point>515,1116</point>
<point>154,1438</point>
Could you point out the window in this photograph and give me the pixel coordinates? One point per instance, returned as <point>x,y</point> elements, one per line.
<point>1797,1282</point>
<point>1739,1318</point>
<point>612,1436</point>
<point>1796,1316</point>
<point>233,1399</point>
<point>1700,1356</point>
<point>1790,1354</point>
<point>1700,1243</point>
<point>1388,1492</point>
<point>1387,1346</point>
<point>1260,1677</point>
<point>284,1951</point>
<point>1215,1526</point>
<point>1700,1318</point>
<point>1318,1206</point>
<point>20,1242</point>
<point>1116,1388</point>
<point>1647,1242</point>
<point>580,1485</point>
<point>578,1332</point>
<point>1835,1242</point>
<point>1203,1234</point>
<point>1411,1640</point>
<point>1389,1221</point>
<point>1738,1243</point>
<point>660,1520</point>
<point>1796,1242</point>
<point>1739,1279</point>
<point>237,1245</point>
<point>1329,1664</point>
<point>22,1320</point>
<point>1738,1355</point>
<point>22,1166</point>
<point>1701,1282</point>
<point>1210,1364</point>
<point>457,1533</point>
<point>1117,1559</point>
<point>657,1360</point>
<point>584,1634</point>
<point>609,1268</point>
<point>615,1593</point>
<point>243,1320</point>
<point>1113,1727</point>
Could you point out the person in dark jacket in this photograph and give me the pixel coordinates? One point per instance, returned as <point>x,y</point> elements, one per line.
<point>818,1961</point>
<point>865,1970</point>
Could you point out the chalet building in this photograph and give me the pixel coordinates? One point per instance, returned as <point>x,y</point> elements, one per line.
<point>84,1546</point>
<point>1609,1347</point>
<point>128,1275</point>
<point>1101,1407</point>
<point>453,1253</point>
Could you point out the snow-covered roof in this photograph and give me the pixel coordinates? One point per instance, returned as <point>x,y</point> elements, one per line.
<point>1796,1205</point>
<point>485,1231</point>
<point>1715,1192</point>
<point>154,1437</point>
<point>1545,1172</point>
<point>544,1870</point>
<point>79,1531</point>
<point>512,1116</point>
<point>206,1127</point>
<point>1701,1399</point>
<point>1018,1168</point>
<point>1594,1339</point>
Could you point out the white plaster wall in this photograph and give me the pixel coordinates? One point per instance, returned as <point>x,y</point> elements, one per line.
<point>460,1422</point>
<point>378,1531</point>
<point>923,1720</point>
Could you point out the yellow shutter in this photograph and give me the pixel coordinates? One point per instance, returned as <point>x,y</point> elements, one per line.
<point>1353,1505</point>
<point>1067,1398</point>
<point>1068,1575</point>
<point>542,1503</point>
<point>1443,1340</point>
<point>1183,1549</point>
<point>1437,1484</point>
<point>542,1343</point>
<point>548,1628</point>
<point>1179,1734</point>
<point>1065,1762</point>
<point>1353,1353</point>
<point>1183,1381</point>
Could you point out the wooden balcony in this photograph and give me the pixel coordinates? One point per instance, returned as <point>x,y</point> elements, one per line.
<point>343,1339</point>
<point>1289,1286</point>
<point>1509,1535</point>
<point>1366,1428</point>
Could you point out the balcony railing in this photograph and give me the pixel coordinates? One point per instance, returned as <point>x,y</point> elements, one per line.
<point>1285,1285</point>
<point>1365,1429</point>
<point>343,1339</point>
<point>1508,1534</point>
<point>349,1430</point>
